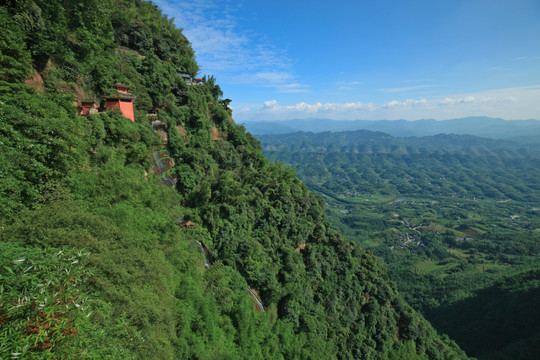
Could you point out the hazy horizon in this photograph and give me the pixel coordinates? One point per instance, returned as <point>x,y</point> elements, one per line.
<point>351,120</point>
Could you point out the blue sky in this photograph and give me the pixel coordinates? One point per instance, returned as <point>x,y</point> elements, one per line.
<point>371,60</point>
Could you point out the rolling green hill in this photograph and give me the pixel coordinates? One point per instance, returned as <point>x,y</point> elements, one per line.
<point>170,237</point>
<point>454,217</point>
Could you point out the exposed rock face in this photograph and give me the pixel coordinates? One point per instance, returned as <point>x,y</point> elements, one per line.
<point>216,135</point>
<point>35,81</point>
<point>182,132</point>
<point>163,136</point>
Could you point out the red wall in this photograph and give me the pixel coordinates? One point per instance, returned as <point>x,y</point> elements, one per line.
<point>126,107</point>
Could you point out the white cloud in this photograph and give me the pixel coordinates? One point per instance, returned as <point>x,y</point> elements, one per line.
<point>293,88</point>
<point>317,107</point>
<point>348,85</point>
<point>271,104</point>
<point>467,99</point>
<point>509,103</point>
<point>406,103</point>
<point>282,82</point>
<point>227,50</point>
<point>274,77</point>
<point>527,58</point>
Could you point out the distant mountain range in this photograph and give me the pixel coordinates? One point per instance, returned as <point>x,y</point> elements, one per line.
<point>368,142</point>
<point>524,131</point>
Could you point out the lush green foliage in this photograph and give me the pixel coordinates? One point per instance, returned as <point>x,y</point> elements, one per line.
<point>453,217</point>
<point>100,260</point>
<point>510,306</point>
<point>44,308</point>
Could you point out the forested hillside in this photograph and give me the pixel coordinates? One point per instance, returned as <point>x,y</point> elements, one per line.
<point>151,239</point>
<point>456,218</point>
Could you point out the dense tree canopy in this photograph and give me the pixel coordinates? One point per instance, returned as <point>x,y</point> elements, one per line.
<point>137,240</point>
<point>455,218</point>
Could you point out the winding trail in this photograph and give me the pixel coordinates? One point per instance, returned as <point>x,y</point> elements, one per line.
<point>256,298</point>
<point>203,253</point>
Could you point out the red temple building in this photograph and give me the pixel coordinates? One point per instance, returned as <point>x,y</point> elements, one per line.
<point>122,101</point>
<point>85,108</point>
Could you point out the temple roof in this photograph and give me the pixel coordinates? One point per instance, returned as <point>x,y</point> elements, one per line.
<point>117,85</point>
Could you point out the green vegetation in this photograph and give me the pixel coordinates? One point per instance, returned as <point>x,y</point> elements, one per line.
<point>138,240</point>
<point>455,218</point>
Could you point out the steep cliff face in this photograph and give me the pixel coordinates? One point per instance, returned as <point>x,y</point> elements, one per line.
<point>103,219</point>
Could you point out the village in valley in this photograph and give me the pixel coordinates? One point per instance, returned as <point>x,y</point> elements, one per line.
<point>435,235</point>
